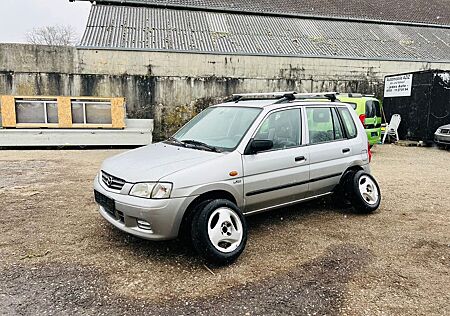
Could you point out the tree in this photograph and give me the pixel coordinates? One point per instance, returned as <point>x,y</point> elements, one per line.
<point>58,35</point>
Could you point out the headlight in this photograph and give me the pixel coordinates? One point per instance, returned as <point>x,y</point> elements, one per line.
<point>151,190</point>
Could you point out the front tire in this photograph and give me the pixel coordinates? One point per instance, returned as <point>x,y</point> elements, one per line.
<point>219,232</point>
<point>366,194</point>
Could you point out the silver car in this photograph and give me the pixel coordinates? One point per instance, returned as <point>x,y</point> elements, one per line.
<point>252,154</point>
<point>442,136</point>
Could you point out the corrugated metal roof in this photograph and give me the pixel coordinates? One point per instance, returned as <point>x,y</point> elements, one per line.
<point>145,28</point>
<point>418,11</point>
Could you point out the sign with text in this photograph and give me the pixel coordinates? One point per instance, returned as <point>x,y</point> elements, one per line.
<point>398,86</point>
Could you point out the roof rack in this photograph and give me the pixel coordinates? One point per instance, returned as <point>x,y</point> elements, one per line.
<point>317,95</point>
<point>356,95</point>
<point>287,96</point>
<point>261,96</point>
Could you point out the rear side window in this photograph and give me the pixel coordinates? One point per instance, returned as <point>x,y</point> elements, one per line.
<point>349,124</point>
<point>353,105</point>
<point>324,125</point>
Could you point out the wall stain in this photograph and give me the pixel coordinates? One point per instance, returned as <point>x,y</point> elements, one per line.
<point>173,100</point>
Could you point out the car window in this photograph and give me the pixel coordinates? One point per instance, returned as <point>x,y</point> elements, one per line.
<point>222,126</point>
<point>338,130</point>
<point>349,124</point>
<point>373,108</point>
<point>324,125</point>
<point>377,108</point>
<point>283,128</point>
<point>353,105</point>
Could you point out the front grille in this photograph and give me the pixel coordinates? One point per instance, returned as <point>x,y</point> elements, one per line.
<point>445,131</point>
<point>112,182</point>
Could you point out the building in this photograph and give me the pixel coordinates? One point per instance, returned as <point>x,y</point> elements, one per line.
<point>170,58</point>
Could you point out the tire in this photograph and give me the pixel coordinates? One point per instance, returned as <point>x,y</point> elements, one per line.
<point>219,232</point>
<point>342,193</point>
<point>184,234</point>
<point>366,194</point>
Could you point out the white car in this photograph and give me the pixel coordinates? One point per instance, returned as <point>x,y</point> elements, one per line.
<point>253,154</point>
<point>442,136</point>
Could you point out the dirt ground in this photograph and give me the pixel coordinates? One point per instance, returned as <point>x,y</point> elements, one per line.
<point>59,257</point>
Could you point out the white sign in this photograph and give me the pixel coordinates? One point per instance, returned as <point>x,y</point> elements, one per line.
<point>398,86</point>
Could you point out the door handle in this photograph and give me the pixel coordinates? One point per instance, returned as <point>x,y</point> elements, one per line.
<point>300,158</point>
<point>345,150</point>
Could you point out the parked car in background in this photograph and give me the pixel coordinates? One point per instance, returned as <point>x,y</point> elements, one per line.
<point>442,136</point>
<point>255,153</point>
<point>369,110</point>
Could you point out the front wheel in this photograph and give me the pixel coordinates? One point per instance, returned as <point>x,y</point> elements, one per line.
<point>366,194</point>
<point>219,232</point>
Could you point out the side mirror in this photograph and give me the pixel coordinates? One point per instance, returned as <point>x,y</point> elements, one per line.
<point>257,145</point>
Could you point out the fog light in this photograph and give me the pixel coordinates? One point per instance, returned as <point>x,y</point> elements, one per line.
<point>144,225</point>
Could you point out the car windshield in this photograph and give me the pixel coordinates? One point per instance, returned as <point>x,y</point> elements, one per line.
<point>218,128</point>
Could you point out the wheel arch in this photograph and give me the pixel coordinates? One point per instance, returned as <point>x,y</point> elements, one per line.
<point>345,175</point>
<point>351,169</point>
<point>189,213</point>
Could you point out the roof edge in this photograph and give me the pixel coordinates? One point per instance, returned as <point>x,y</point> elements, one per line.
<point>137,3</point>
<point>81,47</point>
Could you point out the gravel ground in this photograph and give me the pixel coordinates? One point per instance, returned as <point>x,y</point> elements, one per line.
<point>59,257</point>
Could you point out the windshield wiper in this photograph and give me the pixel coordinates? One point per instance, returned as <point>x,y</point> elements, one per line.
<point>198,144</point>
<point>175,141</point>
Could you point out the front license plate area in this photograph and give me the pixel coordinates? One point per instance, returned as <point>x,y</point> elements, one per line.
<point>374,134</point>
<point>107,203</point>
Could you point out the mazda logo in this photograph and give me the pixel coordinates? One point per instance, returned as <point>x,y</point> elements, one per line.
<point>109,181</point>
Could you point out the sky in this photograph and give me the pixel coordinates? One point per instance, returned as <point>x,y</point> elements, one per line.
<point>17,17</point>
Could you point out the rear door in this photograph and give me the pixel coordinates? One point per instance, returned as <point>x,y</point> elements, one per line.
<point>330,150</point>
<point>280,175</point>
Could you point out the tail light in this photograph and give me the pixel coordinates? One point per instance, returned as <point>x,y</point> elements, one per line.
<point>362,118</point>
<point>369,152</point>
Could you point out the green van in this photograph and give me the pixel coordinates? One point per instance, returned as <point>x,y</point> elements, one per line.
<point>368,109</point>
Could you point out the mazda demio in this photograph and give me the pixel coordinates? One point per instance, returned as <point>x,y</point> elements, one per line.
<point>254,153</point>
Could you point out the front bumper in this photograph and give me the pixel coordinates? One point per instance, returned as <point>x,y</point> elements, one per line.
<point>442,139</point>
<point>164,215</point>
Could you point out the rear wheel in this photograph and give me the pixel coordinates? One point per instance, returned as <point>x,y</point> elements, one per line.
<point>342,193</point>
<point>219,232</point>
<point>366,194</point>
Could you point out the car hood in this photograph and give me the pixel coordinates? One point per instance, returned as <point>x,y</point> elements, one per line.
<point>152,162</point>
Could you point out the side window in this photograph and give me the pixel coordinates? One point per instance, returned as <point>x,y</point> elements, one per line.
<point>338,130</point>
<point>324,125</point>
<point>353,105</point>
<point>283,128</point>
<point>349,124</point>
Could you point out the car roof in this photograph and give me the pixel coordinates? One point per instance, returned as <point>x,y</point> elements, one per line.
<point>275,100</point>
<point>272,104</point>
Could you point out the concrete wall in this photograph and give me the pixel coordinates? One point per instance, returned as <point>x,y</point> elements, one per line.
<point>171,87</point>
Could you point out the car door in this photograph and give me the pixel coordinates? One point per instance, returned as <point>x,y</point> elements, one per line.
<point>329,149</point>
<point>280,175</point>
